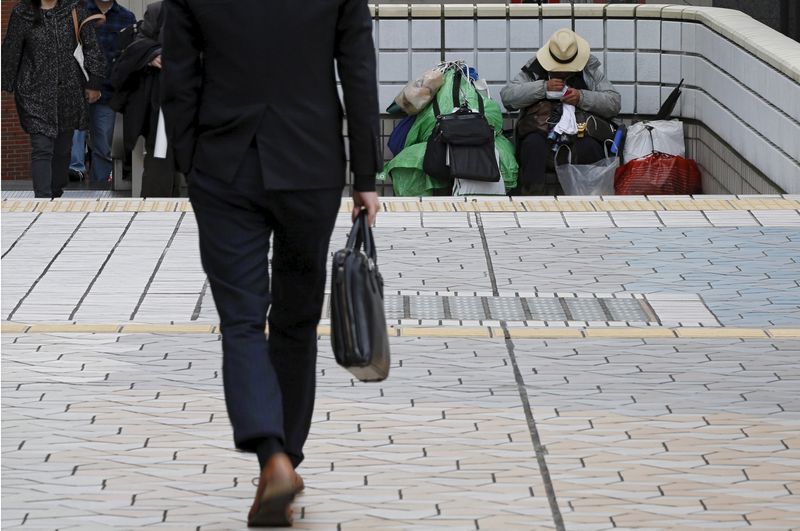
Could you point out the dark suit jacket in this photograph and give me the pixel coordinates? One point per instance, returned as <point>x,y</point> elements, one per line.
<point>235,70</point>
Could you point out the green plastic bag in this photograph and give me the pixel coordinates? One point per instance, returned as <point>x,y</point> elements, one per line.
<point>408,178</point>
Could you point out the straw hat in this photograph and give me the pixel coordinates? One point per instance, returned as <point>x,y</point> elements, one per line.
<point>564,52</point>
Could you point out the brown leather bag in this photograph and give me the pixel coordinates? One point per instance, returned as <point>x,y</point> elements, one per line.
<point>534,119</point>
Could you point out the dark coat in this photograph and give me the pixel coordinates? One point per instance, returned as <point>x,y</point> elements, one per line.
<point>236,71</point>
<point>38,66</point>
<point>136,84</point>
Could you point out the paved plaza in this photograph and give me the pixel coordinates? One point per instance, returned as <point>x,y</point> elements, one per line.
<point>572,363</point>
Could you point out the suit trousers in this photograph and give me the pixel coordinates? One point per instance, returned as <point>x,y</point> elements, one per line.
<point>269,382</point>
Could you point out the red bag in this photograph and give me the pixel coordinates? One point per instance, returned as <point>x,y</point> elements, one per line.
<point>658,174</point>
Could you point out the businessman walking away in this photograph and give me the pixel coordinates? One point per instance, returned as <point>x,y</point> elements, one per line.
<point>253,115</point>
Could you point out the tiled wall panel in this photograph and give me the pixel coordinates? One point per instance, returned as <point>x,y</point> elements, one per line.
<point>620,34</point>
<point>426,34</point>
<point>648,34</point>
<point>393,35</point>
<point>592,30</point>
<point>670,68</point>
<point>671,37</point>
<point>621,66</point>
<point>459,34</point>
<point>492,34</point>
<point>648,67</point>
<point>525,34</point>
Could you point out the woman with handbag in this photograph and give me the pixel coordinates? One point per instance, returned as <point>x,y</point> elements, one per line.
<point>562,75</point>
<point>51,90</point>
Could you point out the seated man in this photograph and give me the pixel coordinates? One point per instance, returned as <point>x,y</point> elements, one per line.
<point>563,63</point>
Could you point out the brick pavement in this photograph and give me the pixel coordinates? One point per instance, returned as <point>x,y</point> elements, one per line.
<point>575,364</point>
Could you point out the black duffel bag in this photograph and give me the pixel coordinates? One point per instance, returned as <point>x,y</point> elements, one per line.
<point>461,145</point>
<point>358,322</point>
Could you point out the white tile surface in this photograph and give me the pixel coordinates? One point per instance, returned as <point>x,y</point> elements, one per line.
<point>671,36</point>
<point>459,34</point>
<point>525,34</point>
<point>620,34</point>
<point>621,66</point>
<point>393,66</point>
<point>588,219</point>
<point>492,34</point>
<point>670,68</point>
<point>648,99</point>
<point>648,67</point>
<point>648,34</point>
<point>393,34</point>
<point>426,34</point>
<point>492,66</point>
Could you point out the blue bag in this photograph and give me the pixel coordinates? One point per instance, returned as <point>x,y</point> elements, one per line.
<point>397,140</point>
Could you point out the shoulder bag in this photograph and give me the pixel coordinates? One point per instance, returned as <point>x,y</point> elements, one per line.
<point>78,53</point>
<point>462,143</point>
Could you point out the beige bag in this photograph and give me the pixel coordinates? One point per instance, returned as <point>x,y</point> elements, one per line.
<point>78,53</point>
<point>418,93</point>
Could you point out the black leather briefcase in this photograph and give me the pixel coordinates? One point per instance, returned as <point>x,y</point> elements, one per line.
<point>358,322</point>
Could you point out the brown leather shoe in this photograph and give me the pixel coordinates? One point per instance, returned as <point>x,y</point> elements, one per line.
<point>299,484</point>
<point>277,487</point>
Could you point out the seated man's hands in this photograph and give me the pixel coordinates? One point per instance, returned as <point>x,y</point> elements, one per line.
<point>573,97</point>
<point>555,85</point>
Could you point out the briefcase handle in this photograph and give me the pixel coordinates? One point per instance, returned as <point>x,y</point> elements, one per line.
<point>361,234</point>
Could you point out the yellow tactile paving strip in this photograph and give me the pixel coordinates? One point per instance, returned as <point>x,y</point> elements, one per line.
<point>434,205</point>
<point>441,331</point>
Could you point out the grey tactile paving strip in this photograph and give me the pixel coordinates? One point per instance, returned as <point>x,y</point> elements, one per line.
<point>465,308</point>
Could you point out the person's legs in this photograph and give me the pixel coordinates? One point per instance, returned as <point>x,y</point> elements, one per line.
<point>304,221</point>
<point>60,167</point>
<point>42,165</point>
<point>101,135</point>
<point>234,244</point>
<point>77,161</point>
<point>533,153</point>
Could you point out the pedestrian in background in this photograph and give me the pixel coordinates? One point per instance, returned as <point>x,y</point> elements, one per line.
<point>101,116</point>
<point>253,113</point>
<point>136,77</point>
<point>50,89</point>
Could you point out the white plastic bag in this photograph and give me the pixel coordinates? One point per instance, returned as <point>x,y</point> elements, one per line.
<point>661,136</point>
<point>587,179</point>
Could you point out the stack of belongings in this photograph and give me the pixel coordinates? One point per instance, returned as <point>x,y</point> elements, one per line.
<point>469,142</point>
<point>655,158</point>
